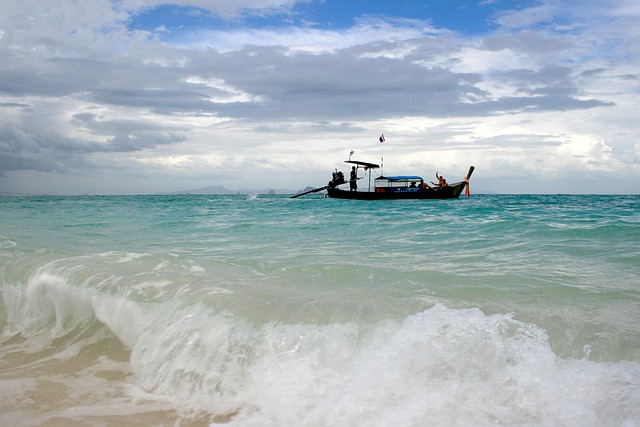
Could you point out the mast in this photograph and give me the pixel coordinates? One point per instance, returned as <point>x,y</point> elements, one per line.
<point>381,139</point>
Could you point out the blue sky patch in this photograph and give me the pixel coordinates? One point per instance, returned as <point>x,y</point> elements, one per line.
<point>466,17</point>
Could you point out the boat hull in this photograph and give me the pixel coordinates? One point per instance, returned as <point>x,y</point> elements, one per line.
<point>452,191</point>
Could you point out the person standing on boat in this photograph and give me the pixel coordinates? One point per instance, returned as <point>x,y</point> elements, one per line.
<point>354,179</point>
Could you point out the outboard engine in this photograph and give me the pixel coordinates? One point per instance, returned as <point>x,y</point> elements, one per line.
<point>337,179</point>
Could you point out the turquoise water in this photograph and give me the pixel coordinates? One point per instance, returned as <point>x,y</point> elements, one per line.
<point>265,310</point>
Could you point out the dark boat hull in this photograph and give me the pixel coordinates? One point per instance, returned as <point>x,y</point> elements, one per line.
<point>452,191</point>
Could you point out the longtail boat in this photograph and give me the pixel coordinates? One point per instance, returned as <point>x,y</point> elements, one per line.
<point>397,187</point>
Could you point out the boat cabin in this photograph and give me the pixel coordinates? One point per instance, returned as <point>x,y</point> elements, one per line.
<point>399,184</point>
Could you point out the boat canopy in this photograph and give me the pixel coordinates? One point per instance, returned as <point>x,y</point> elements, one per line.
<point>399,183</point>
<point>363,164</point>
<point>401,178</point>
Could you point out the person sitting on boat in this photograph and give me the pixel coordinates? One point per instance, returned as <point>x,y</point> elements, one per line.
<point>442,183</point>
<point>354,179</point>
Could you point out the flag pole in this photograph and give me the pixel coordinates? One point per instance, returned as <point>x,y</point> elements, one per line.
<point>381,139</point>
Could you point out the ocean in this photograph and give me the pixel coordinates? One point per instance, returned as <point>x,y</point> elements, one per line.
<point>261,310</point>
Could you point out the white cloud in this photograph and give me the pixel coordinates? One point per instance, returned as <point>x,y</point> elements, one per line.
<point>229,94</point>
<point>526,18</point>
<point>309,39</point>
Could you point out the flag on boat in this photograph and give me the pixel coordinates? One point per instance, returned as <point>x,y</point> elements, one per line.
<point>351,153</point>
<point>381,138</point>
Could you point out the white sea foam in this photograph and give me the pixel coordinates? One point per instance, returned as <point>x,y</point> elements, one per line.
<point>438,367</point>
<point>6,243</point>
<point>441,366</point>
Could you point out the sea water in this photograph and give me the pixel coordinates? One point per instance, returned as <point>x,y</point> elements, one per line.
<point>269,311</point>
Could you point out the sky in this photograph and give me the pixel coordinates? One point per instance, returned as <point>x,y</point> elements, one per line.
<point>150,96</point>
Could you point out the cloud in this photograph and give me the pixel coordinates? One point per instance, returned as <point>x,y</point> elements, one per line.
<point>81,89</point>
<point>309,39</point>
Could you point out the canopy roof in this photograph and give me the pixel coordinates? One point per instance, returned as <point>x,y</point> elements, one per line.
<point>401,178</point>
<point>364,164</point>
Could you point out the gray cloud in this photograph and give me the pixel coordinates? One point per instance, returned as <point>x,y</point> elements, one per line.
<point>20,150</point>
